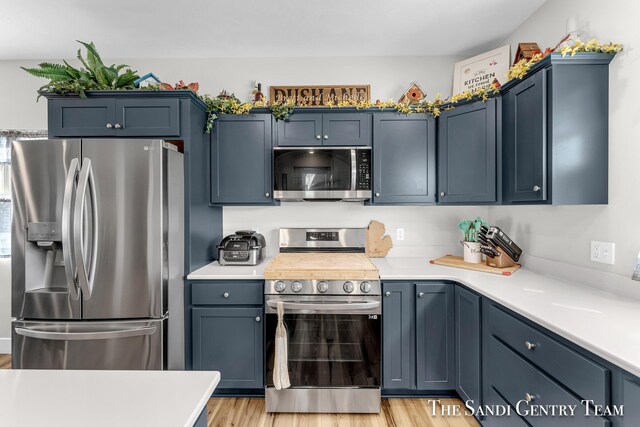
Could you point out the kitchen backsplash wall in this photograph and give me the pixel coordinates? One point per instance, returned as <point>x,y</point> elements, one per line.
<point>429,231</point>
<point>564,233</point>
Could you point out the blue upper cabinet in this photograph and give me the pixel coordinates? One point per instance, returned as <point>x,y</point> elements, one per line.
<point>241,160</point>
<point>555,132</point>
<point>329,129</point>
<point>114,117</point>
<point>404,159</point>
<point>467,147</point>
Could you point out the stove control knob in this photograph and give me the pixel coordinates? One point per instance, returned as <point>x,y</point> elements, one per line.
<point>348,287</point>
<point>322,287</point>
<point>279,286</point>
<point>365,287</point>
<point>296,286</point>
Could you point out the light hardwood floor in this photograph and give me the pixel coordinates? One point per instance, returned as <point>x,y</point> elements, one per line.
<point>244,412</point>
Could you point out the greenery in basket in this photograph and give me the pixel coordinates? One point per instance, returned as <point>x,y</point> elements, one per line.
<point>470,228</point>
<point>223,104</point>
<point>93,75</point>
<point>282,110</point>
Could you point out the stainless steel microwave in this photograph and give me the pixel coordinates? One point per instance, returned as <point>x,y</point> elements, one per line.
<point>319,173</point>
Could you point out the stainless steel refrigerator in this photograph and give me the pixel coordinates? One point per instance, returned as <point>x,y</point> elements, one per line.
<point>97,252</point>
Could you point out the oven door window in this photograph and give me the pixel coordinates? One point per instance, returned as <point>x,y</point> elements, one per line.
<point>312,170</point>
<point>328,350</point>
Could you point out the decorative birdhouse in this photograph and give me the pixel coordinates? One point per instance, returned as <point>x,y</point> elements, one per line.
<point>526,51</point>
<point>412,95</point>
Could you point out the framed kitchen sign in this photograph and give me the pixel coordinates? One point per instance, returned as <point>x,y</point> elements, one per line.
<point>317,96</point>
<point>481,70</point>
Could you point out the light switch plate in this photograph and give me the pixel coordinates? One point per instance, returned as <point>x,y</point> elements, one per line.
<point>603,252</point>
<point>399,234</point>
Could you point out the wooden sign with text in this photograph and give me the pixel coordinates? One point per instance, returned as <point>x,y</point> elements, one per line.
<point>317,96</point>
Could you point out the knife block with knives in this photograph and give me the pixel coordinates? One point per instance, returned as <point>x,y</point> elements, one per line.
<point>499,249</point>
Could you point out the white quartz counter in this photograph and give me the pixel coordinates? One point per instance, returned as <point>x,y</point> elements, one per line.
<point>215,271</point>
<point>35,398</point>
<point>602,322</point>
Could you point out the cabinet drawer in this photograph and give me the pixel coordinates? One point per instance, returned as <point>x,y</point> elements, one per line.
<point>500,419</point>
<point>227,293</point>
<point>584,377</point>
<point>514,378</point>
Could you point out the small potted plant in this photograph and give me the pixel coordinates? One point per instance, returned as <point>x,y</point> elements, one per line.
<point>470,229</point>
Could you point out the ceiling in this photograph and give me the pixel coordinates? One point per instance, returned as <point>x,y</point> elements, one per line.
<point>34,29</point>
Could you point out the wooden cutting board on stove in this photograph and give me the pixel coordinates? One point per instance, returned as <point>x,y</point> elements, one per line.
<point>321,266</point>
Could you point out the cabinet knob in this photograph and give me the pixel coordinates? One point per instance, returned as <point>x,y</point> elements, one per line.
<point>529,345</point>
<point>387,294</point>
<point>118,126</point>
<point>258,319</point>
<point>326,137</point>
<point>267,194</point>
<point>318,137</point>
<point>442,194</point>
<point>529,397</point>
<point>421,294</point>
<point>226,295</point>
<point>377,194</point>
<point>109,125</point>
<point>536,188</point>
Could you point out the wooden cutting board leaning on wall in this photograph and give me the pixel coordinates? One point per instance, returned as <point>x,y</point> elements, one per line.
<point>377,245</point>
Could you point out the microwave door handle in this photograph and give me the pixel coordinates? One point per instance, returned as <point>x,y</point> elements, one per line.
<point>85,181</point>
<point>354,172</point>
<point>368,305</point>
<point>67,225</point>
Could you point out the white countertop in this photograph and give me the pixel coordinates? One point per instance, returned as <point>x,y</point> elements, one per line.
<point>215,271</point>
<point>602,322</point>
<point>35,398</point>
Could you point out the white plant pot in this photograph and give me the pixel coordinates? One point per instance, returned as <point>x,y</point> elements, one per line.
<point>472,252</point>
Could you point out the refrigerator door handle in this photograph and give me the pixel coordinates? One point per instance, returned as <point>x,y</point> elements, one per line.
<point>67,221</point>
<point>85,180</point>
<point>84,336</point>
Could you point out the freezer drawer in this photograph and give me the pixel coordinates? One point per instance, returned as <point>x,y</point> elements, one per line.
<point>126,345</point>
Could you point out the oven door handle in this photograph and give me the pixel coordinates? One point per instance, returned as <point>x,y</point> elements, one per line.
<point>314,306</point>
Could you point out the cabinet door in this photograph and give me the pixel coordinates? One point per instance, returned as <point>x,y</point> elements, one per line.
<point>301,130</point>
<point>630,400</point>
<point>241,160</point>
<point>467,345</point>
<point>467,154</point>
<point>82,117</point>
<point>525,140</point>
<point>346,129</point>
<point>434,336</point>
<point>148,117</point>
<point>404,163</point>
<point>229,340</point>
<point>398,344</point>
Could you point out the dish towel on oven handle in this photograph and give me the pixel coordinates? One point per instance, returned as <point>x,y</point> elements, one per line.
<point>280,363</point>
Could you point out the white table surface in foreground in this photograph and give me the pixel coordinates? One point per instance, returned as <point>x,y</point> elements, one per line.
<point>36,398</point>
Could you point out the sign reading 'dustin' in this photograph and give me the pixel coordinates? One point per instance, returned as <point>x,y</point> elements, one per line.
<point>317,96</point>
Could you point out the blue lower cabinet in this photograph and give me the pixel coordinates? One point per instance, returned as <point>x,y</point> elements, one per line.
<point>631,402</point>
<point>229,340</point>
<point>435,336</point>
<point>398,339</point>
<point>467,346</point>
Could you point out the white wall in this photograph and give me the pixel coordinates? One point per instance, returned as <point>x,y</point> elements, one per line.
<point>564,233</point>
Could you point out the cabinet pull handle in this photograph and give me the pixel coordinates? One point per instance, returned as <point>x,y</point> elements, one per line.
<point>442,194</point>
<point>421,294</point>
<point>109,125</point>
<point>387,294</point>
<point>318,137</point>
<point>529,345</point>
<point>258,319</point>
<point>377,194</point>
<point>536,188</point>
<point>326,137</point>
<point>118,126</point>
<point>266,194</point>
<point>529,397</point>
<point>226,295</point>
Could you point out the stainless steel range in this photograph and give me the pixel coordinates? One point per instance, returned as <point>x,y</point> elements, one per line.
<point>330,293</point>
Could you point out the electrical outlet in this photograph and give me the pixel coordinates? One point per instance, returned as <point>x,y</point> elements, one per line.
<point>604,252</point>
<point>399,234</point>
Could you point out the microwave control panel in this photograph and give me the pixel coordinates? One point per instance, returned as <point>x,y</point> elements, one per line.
<point>363,165</point>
